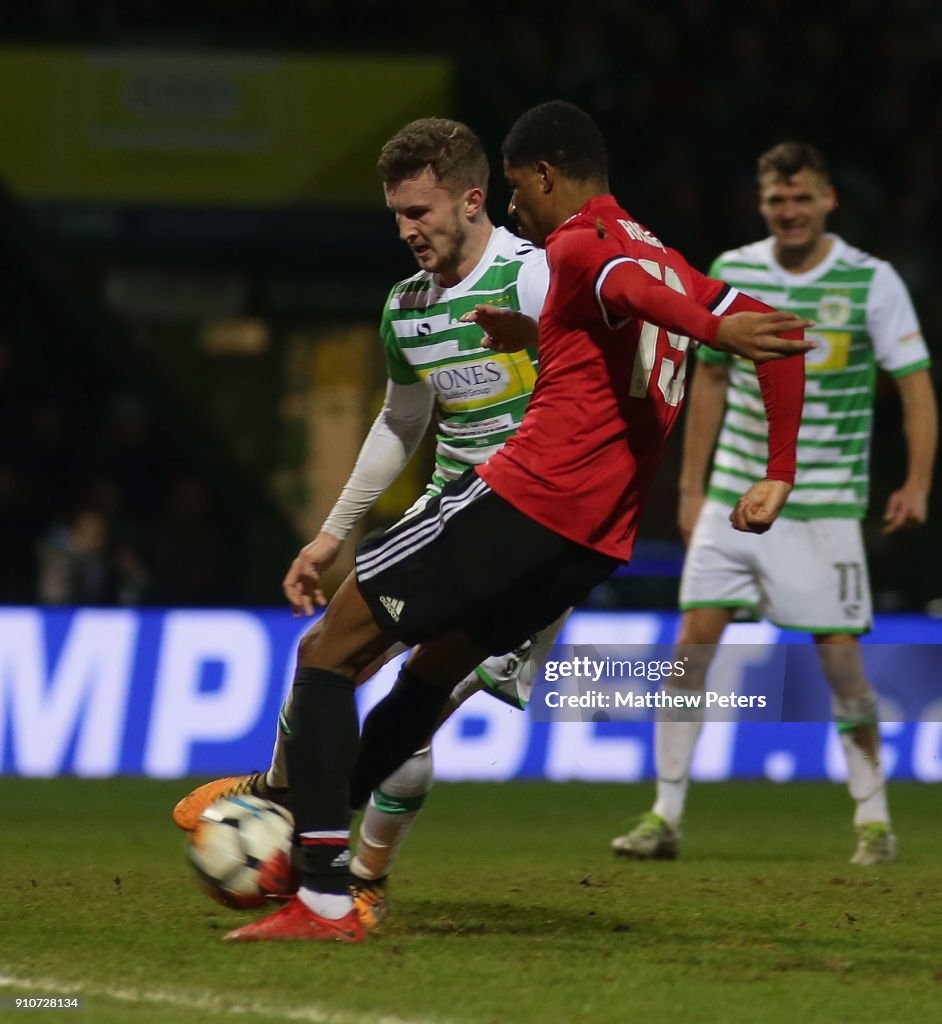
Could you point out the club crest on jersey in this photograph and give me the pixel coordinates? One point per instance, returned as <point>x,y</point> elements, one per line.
<point>834,309</point>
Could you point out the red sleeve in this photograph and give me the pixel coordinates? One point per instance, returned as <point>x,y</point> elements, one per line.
<point>625,289</point>
<point>716,295</point>
<point>783,391</point>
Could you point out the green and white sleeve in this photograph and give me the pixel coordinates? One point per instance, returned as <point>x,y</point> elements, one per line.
<point>394,436</point>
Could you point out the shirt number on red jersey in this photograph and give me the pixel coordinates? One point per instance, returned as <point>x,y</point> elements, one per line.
<point>670,374</point>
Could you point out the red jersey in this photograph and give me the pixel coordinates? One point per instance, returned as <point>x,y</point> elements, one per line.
<point>608,390</point>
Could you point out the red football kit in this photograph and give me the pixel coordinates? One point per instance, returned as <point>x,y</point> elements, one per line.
<point>613,345</point>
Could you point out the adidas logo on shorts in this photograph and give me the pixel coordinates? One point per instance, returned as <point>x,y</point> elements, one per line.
<point>392,605</point>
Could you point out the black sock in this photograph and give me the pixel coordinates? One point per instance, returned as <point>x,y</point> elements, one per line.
<point>393,731</point>
<point>321,750</point>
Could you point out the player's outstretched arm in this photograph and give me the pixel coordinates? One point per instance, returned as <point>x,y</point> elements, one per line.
<point>761,336</point>
<point>625,289</point>
<point>748,327</point>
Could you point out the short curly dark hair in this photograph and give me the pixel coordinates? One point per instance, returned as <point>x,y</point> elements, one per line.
<point>788,158</point>
<point>564,136</point>
<point>449,149</point>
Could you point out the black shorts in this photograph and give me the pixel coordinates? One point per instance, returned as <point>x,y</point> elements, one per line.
<point>470,562</point>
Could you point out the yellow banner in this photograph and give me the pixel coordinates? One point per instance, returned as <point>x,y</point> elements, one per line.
<point>143,126</point>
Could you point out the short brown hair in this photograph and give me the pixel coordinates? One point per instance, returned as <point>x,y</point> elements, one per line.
<point>788,158</point>
<point>449,149</point>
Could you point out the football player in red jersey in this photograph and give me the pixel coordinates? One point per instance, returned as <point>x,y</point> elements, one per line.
<point>507,547</point>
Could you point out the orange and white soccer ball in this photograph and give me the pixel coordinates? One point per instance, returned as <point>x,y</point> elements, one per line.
<point>241,850</point>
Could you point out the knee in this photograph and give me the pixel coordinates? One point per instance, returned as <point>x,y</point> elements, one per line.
<point>308,645</point>
<point>703,626</point>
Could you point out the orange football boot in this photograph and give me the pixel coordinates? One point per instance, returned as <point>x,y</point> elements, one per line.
<point>186,814</point>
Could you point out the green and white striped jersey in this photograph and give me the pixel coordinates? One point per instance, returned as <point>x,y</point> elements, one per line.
<point>864,318</point>
<point>480,395</point>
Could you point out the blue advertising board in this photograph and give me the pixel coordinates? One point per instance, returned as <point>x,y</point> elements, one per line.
<point>166,693</point>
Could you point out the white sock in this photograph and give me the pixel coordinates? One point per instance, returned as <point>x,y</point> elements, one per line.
<point>865,779</point>
<point>388,817</point>
<point>873,808</point>
<point>866,783</point>
<point>327,904</point>
<point>674,745</point>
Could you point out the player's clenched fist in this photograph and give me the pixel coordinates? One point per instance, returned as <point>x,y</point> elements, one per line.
<point>759,507</point>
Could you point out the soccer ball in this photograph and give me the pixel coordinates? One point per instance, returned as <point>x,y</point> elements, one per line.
<point>241,850</point>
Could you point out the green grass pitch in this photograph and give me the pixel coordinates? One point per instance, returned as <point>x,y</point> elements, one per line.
<point>507,908</point>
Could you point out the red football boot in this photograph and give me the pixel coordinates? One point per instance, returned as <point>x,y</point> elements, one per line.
<point>295,922</point>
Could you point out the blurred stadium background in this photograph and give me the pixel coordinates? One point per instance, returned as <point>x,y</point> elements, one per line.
<point>196,251</point>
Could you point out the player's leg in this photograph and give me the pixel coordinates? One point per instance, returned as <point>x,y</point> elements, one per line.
<point>657,834</point>
<point>499,621</point>
<point>416,580</point>
<point>276,778</point>
<point>321,748</point>
<point>395,804</point>
<point>402,586</point>
<point>718,579</point>
<point>510,676</point>
<point>470,559</point>
<point>390,813</point>
<point>387,821</point>
<point>854,707</point>
<point>271,784</point>
<point>818,582</point>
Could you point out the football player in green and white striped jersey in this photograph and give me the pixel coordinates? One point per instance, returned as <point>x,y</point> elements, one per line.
<point>479,395</point>
<point>473,278</point>
<point>810,572</point>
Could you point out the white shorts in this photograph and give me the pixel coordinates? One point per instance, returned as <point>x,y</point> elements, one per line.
<point>807,575</point>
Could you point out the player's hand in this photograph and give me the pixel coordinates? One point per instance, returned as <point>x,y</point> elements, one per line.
<point>758,336</point>
<point>909,506</point>
<point>759,507</point>
<point>688,512</point>
<point>302,582</point>
<point>505,330</point>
